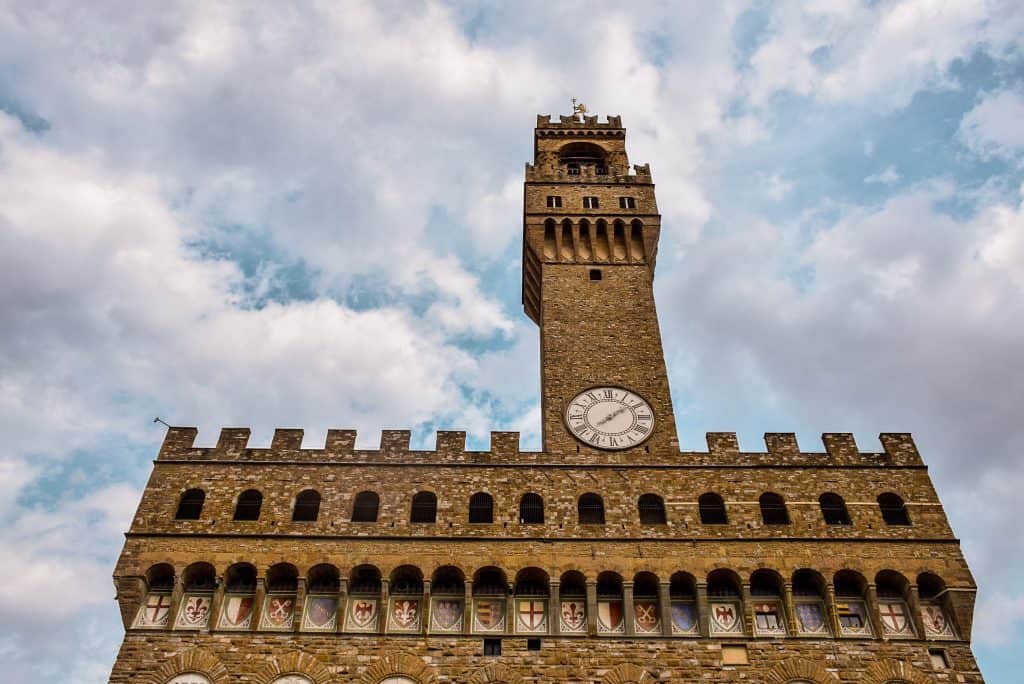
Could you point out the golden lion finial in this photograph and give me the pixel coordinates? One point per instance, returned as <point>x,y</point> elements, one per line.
<point>578,109</point>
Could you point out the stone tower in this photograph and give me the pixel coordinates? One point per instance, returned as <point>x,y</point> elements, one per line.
<point>609,556</point>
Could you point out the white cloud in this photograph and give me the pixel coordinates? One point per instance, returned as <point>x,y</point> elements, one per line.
<point>876,55</point>
<point>888,176</point>
<point>777,187</point>
<point>993,127</point>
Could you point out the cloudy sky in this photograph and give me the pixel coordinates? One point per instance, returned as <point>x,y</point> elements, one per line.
<point>310,217</point>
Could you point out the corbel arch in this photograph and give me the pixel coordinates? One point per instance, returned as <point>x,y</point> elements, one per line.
<point>495,674</point>
<point>889,670</point>
<point>293,663</point>
<point>398,665</point>
<point>195,660</point>
<point>801,670</point>
<point>628,673</point>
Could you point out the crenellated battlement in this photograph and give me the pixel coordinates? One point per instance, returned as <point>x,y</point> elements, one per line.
<point>545,126</point>
<point>782,450</point>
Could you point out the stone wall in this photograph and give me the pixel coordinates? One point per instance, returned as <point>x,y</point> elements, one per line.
<point>259,658</point>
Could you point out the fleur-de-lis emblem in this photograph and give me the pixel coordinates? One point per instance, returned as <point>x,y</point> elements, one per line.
<point>405,612</point>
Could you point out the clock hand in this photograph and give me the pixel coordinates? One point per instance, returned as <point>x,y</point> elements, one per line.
<point>611,415</point>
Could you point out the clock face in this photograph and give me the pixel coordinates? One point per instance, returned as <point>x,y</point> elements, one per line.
<point>609,418</point>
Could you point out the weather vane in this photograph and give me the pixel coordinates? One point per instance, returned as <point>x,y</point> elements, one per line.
<point>578,109</point>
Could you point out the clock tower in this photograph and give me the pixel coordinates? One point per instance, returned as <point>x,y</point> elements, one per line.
<point>590,238</point>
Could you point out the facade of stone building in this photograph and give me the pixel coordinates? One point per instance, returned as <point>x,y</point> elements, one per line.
<point>609,556</point>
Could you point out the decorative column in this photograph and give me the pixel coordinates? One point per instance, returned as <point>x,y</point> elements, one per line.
<point>703,610</point>
<point>510,606</point>
<point>382,611</point>
<point>554,608</point>
<point>914,605</point>
<point>176,594</point>
<point>342,604</point>
<point>592,607</point>
<point>425,608</point>
<point>830,608</point>
<point>467,608</point>
<point>747,605</point>
<point>215,604</point>
<point>874,611</point>
<point>665,606</point>
<point>300,603</point>
<point>789,605</point>
<point>628,612</point>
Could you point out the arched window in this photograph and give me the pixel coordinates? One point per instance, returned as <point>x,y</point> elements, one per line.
<point>712,509</point>
<point>282,577</point>
<point>809,591</point>
<point>726,608</point>
<point>424,508</point>
<point>590,508</point>
<point>200,577</point>
<point>191,505</point>
<point>481,508</point>
<point>773,509</point>
<point>572,592</point>
<point>833,509</point>
<point>160,577</point>
<point>240,579</point>
<point>610,611</point>
<point>307,506</point>
<point>365,507</point>
<point>323,579</point>
<point>531,509</point>
<point>769,615</point>
<point>249,504</point>
<point>652,509</point>
<point>894,511</point>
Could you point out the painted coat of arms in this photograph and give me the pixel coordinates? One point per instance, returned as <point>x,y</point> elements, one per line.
<point>645,614</point>
<point>489,615</point>
<point>935,622</point>
<point>155,612</point>
<point>362,613</point>
<point>404,614</point>
<point>725,618</point>
<point>278,612</point>
<point>810,617</point>
<point>853,617</point>
<point>574,616</point>
<point>768,618</point>
<point>684,618</point>
<point>531,616</point>
<point>321,613</point>
<point>236,613</point>
<point>895,620</point>
<point>446,615</point>
<point>194,612</point>
<point>609,617</point>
